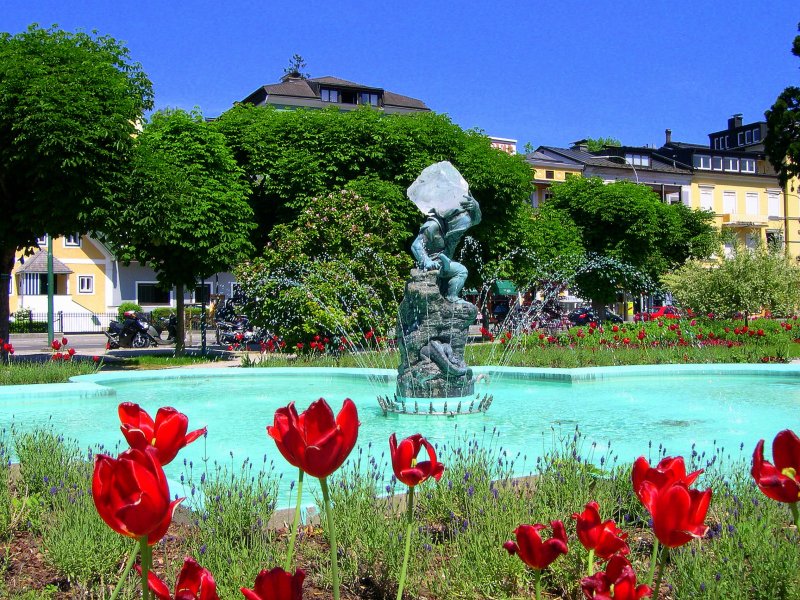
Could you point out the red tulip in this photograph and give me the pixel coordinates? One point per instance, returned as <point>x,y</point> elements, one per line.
<point>194,583</point>
<point>618,581</point>
<point>404,460</point>
<point>779,481</point>
<point>678,512</point>
<point>532,550</point>
<point>56,345</point>
<point>131,494</point>
<point>64,341</point>
<point>602,537</point>
<point>168,433</point>
<point>670,470</point>
<point>277,584</point>
<point>313,441</point>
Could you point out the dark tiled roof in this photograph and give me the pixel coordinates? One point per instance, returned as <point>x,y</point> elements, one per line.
<point>38,264</point>
<point>297,88</point>
<point>330,80</point>
<point>392,99</point>
<point>657,163</point>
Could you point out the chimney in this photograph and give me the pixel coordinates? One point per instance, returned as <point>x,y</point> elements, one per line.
<point>735,121</point>
<point>668,135</point>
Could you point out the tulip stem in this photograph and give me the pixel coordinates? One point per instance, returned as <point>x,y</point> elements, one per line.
<point>323,482</point>
<point>146,552</point>
<point>661,563</point>
<point>537,575</point>
<point>295,523</point>
<point>653,561</point>
<point>124,575</point>
<point>795,514</point>
<point>591,562</point>
<point>409,525</point>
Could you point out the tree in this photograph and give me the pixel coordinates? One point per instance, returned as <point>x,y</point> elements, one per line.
<point>601,143</point>
<point>187,214</point>
<point>69,103</point>
<point>629,235</point>
<point>747,281</point>
<point>296,67</point>
<point>782,142</point>
<point>291,157</point>
<point>330,270</point>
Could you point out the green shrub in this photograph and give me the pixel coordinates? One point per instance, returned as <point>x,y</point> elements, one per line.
<point>161,311</point>
<point>49,462</point>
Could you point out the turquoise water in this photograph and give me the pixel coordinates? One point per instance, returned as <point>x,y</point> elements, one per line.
<point>627,409</point>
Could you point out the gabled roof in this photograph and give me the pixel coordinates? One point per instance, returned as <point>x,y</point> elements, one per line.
<point>38,264</point>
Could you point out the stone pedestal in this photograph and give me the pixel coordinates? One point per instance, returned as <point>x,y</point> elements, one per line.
<point>431,335</point>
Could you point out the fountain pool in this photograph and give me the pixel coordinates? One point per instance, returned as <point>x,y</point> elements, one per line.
<point>632,409</point>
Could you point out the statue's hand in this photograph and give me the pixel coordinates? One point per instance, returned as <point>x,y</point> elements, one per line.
<point>468,203</point>
<point>428,264</point>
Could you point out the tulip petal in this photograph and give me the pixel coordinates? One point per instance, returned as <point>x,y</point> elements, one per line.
<point>786,451</point>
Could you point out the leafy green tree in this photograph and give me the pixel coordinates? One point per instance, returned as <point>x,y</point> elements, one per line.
<point>629,235</point>
<point>599,144</point>
<point>329,270</point>
<point>782,142</point>
<point>296,67</point>
<point>69,103</point>
<point>291,157</point>
<point>187,215</point>
<point>747,281</point>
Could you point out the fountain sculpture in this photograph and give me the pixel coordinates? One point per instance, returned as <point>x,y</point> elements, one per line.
<point>433,321</point>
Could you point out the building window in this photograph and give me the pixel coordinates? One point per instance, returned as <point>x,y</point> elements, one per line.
<point>773,204</point>
<point>33,284</point>
<point>729,202</point>
<point>368,98</point>
<point>86,284</point>
<point>202,293</point>
<point>775,238</point>
<point>72,240</point>
<point>756,135</point>
<point>702,161</point>
<point>42,241</point>
<point>707,198</point>
<point>329,95</point>
<point>751,203</point>
<point>717,143</point>
<point>748,137</point>
<point>638,160</point>
<point>348,97</point>
<point>149,293</point>
<point>549,175</point>
<point>716,163</point>
<point>748,165</point>
<point>751,240</point>
<point>740,138</point>
<point>731,164</point>
<point>727,141</point>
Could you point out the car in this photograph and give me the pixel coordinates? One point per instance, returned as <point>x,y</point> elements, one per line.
<point>658,312</point>
<point>583,315</point>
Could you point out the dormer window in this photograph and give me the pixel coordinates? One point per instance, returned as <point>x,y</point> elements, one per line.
<point>638,160</point>
<point>329,95</point>
<point>368,98</point>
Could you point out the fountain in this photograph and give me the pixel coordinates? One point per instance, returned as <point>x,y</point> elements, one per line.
<point>433,321</point>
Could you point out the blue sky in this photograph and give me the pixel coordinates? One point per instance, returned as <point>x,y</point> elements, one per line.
<point>547,73</point>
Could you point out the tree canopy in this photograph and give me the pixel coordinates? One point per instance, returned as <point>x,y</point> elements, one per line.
<point>629,235</point>
<point>782,142</point>
<point>746,281</point>
<point>599,144</point>
<point>187,214</point>
<point>291,157</point>
<point>69,104</point>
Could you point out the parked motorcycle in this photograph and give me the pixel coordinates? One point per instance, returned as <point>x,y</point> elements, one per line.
<point>134,332</point>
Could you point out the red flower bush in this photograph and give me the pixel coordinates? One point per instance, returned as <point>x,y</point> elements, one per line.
<point>194,583</point>
<point>313,440</point>
<point>131,494</point>
<point>618,581</point>
<point>534,552</point>
<point>604,537</point>
<point>678,512</point>
<point>779,481</point>
<point>167,434</point>
<point>404,460</point>
<point>276,584</point>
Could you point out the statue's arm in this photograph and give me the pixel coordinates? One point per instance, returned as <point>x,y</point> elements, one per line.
<point>473,208</point>
<point>420,252</point>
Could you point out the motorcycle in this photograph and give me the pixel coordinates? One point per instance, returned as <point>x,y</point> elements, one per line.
<point>135,332</point>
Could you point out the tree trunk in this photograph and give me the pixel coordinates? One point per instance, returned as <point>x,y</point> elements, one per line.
<point>6,265</point>
<point>599,309</point>
<point>180,333</point>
